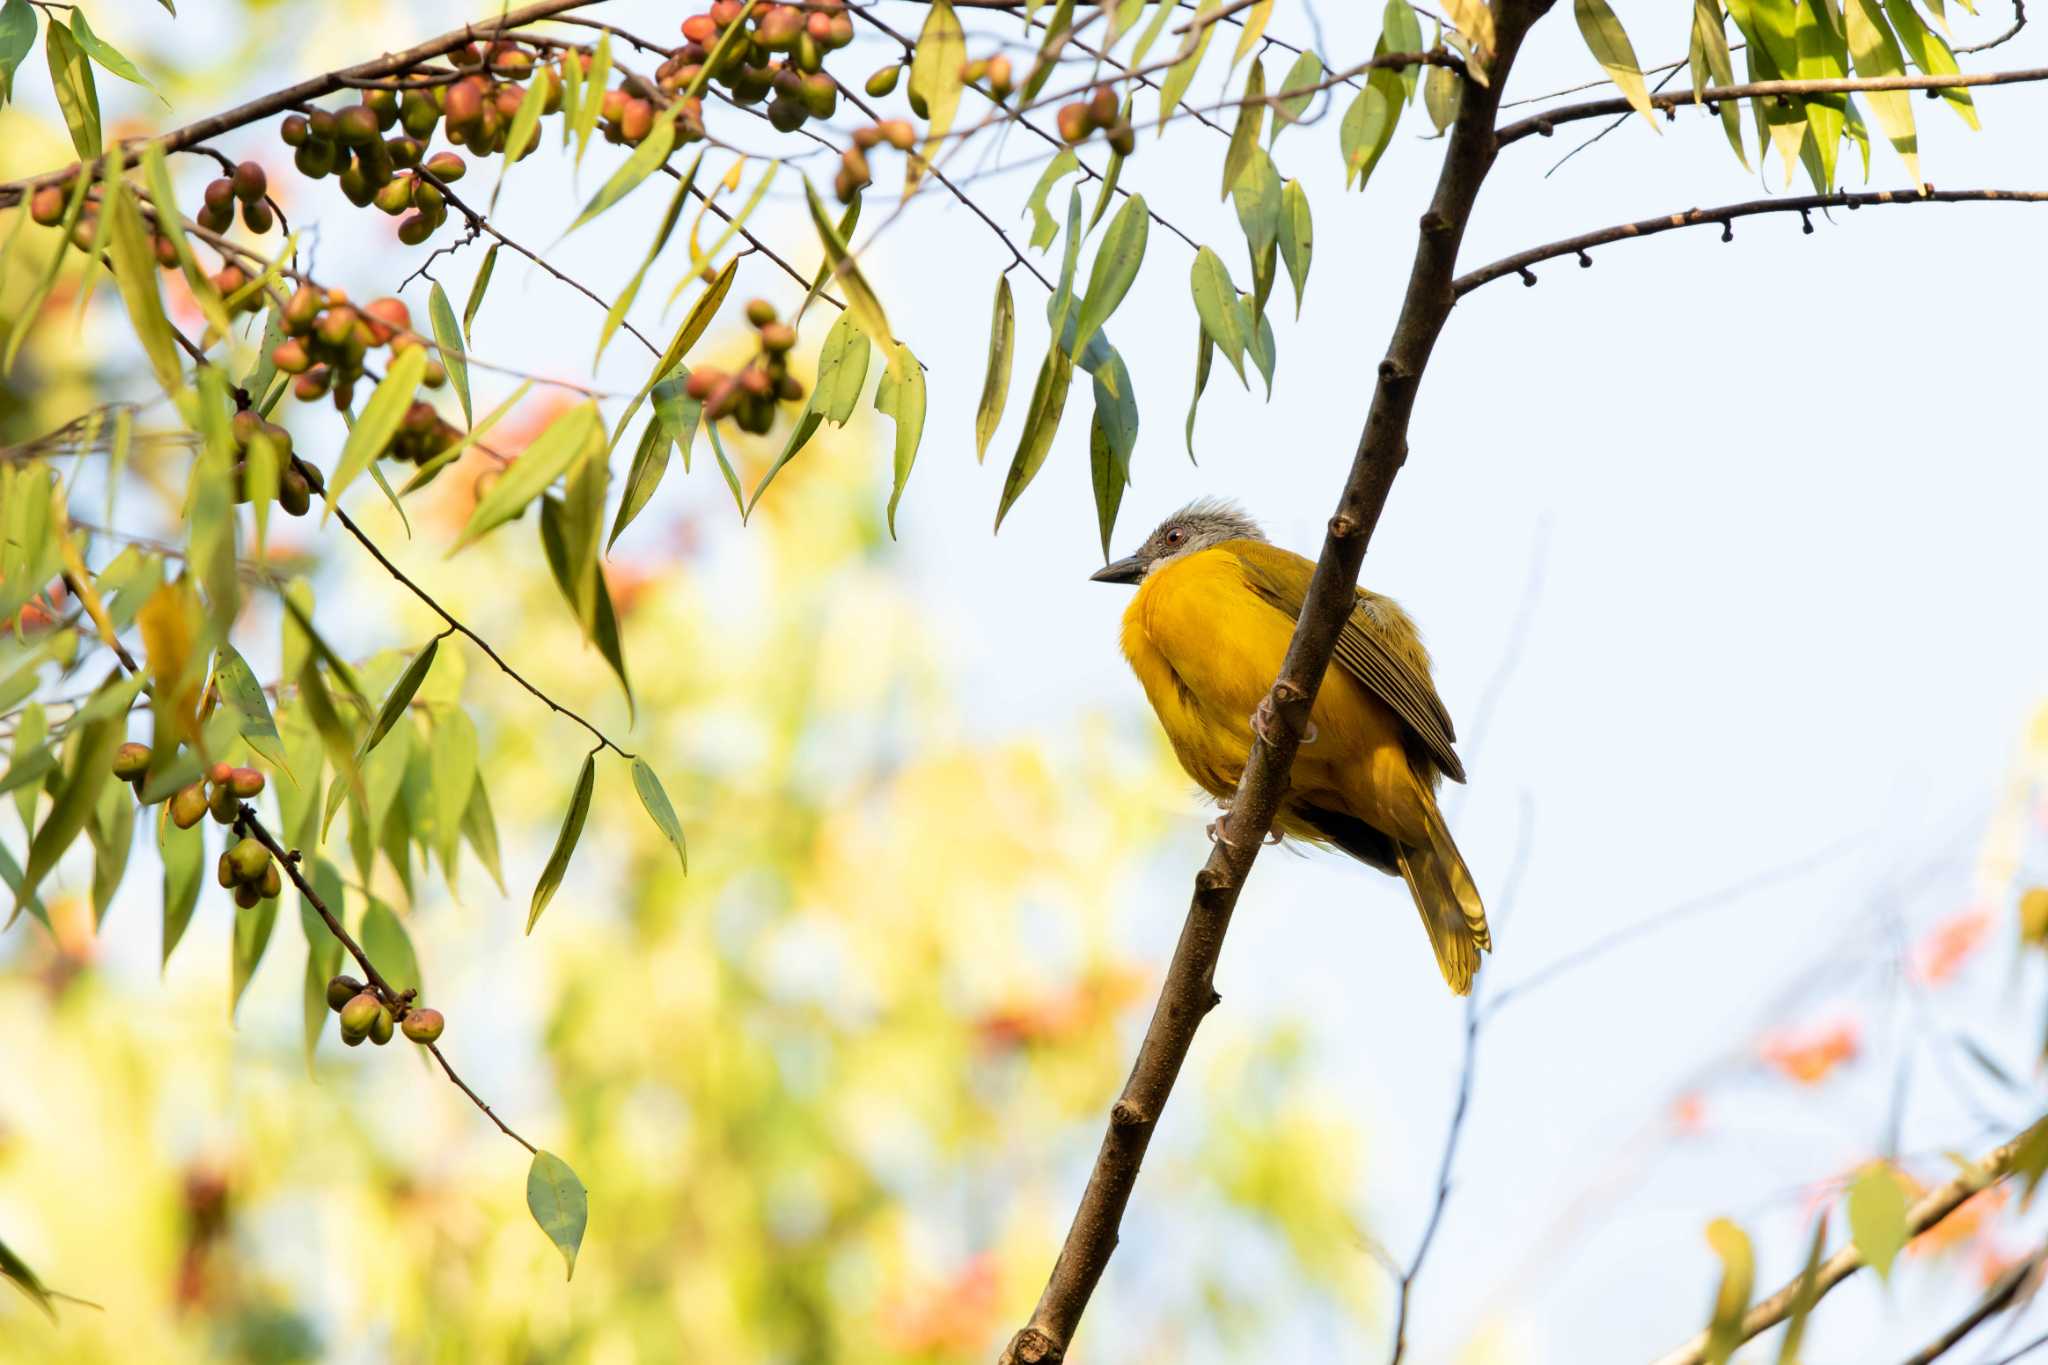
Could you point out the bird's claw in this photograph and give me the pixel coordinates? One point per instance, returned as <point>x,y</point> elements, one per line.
<point>1264,719</point>
<point>1215,832</point>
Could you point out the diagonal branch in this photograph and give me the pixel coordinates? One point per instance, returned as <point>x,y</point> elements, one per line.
<point>1519,263</point>
<point>1997,1166</point>
<point>1188,992</point>
<point>1546,123</point>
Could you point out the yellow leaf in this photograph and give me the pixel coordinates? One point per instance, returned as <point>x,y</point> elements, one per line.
<point>1610,46</point>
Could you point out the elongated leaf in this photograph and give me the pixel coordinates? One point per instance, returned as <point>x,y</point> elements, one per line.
<point>646,159</point>
<point>1045,227</point>
<point>112,832</point>
<point>107,55</point>
<point>135,272</point>
<point>655,799</point>
<point>559,542</point>
<point>13,1268</point>
<point>594,83</point>
<point>400,696</point>
<point>77,97</point>
<point>1255,22</point>
<point>1205,351</point>
<point>481,830</point>
<point>476,292</point>
<point>1244,138</point>
<point>1297,237</point>
<point>1216,304</point>
<point>74,801</point>
<point>251,937</point>
<point>1041,423</point>
<point>1474,19</point>
<point>1609,44</point>
<point>842,373</point>
<point>904,400</point>
<point>1116,267</point>
<point>616,314</point>
<point>1401,31</point>
<point>1930,54</point>
<point>1877,1213</point>
<point>442,316</point>
<point>995,383</point>
<point>17,38</point>
<point>693,325</point>
<point>523,133</point>
<point>1182,72</point>
<point>860,299</point>
<point>576,435</point>
<point>157,175</point>
<point>1107,190</point>
<point>1297,89</point>
<point>237,684</point>
<point>1731,1300</point>
<point>386,943</point>
<point>1257,199</point>
<point>565,842</point>
<point>935,78</point>
<point>807,424</point>
<point>559,1205</point>
<point>1875,52</point>
<point>428,471</point>
<point>1805,1296</point>
<point>373,431</point>
<point>1112,438</point>
<point>650,462</point>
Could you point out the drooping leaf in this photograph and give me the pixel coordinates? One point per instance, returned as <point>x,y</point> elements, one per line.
<point>74,800</point>
<point>107,55</point>
<point>1205,352</point>
<point>655,799</point>
<point>387,944</point>
<point>860,299</point>
<point>1257,200</point>
<point>1216,304</point>
<point>650,462</point>
<point>558,1203</point>
<point>77,97</point>
<point>559,542</point>
<point>565,842</point>
<point>1044,227</point>
<point>524,133</point>
<point>594,82</point>
<point>135,272</point>
<point>1297,88</point>
<point>576,435</point>
<point>400,696</point>
<point>693,326</point>
<point>1244,137</point>
<point>1441,93</point>
<point>237,685</point>
<point>1117,259</point>
<point>373,431</point>
<point>1877,1214</point>
<point>995,383</point>
<point>427,472</point>
<point>903,400</point>
<point>616,314</point>
<point>476,292</point>
<point>1112,439</point>
<point>1731,1300</point>
<point>1609,44</point>
<point>1255,21</point>
<point>1875,52</point>
<point>842,374</point>
<point>251,937</point>
<point>442,316</point>
<point>1401,31</point>
<point>1928,52</point>
<point>1178,77</point>
<point>17,38</point>
<point>1474,20</point>
<point>645,160</point>
<point>1297,237</point>
<point>1041,423</point>
<point>935,79</point>
<point>481,830</point>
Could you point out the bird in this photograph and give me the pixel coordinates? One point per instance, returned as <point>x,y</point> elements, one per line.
<point>1206,633</point>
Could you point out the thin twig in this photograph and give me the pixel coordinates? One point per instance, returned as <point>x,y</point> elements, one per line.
<point>1996,1300</point>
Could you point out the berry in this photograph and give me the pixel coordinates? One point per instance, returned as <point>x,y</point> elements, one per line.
<point>131,761</point>
<point>249,182</point>
<point>883,82</point>
<point>424,1026</point>
<point>188,806</point>
<point>360,1012</point>
<point>247,782</point>
<point>341,990</point>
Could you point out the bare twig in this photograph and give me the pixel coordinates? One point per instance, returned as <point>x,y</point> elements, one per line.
<point>2019,21</point>
<point>1188,992</point>
<point>1996,1300</point>
<point>1519,263</point>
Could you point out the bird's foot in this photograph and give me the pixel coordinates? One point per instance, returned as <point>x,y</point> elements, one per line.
<point>1264,720</point>
<point>1215,832</point>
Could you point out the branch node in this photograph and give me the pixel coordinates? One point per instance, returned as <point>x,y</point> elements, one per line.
<point>1392,371</point>
<point>1585,261</point>
<point>1435,224</point>
<point>1528,276</point>
<point>1124,1114</point>
<point>1215,999</point>
<point>1805,223</point>
<point>1033,1347</point>
<point>1727,229</point>
<point>1343,526</point>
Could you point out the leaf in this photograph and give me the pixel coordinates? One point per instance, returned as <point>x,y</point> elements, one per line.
<point>1930,54</point>
<point>476,292</point>
<point>995,383</point>
<point>158,176</point>
<point>237,685</point>
<point>71,74</point>
<point>427,472</point>
<point>1041,423</point>
<point>1297,237</point>
<point>399,697</point>
<point>842,373</point>
<point>251,937</point>
<point>17,39</point>
<point>1257,199</point>
<point>386,943</point>
<point>1877,1212</point>
<point>655,799</point>
<point>646,159</point>
<point>616,314</point>
<point>524,133</point>
<point>1216,304</point>
<point>442,316</point>
<point>1254,28</point>
<point>935,79</point>
<point>1474,20</point>
<point>1441,93</point>
<point>1609,44</point>
<point>1244,138</point>
<point>373,431</point>
<point>1875,52</point>
<point>1182,72</point>
<point>1044,227</point>
<point>1368,127</point>
<point>576,435</point>
<point>1401,31</point>
<point>1058,30</point>
<point>650,462</point>
<point>1106,191</point>
<point>693,326</point>
<point>601,624</point>
<point>557,1200</point>
<point>904,400</point>
<point>1731,1300</point>
<point>112,832</point>
<point>594,83</point>
<point>860,299</point>
<point>107,55</point>
<point>1112,438</point>
<point>1116,267</point>
<point>74,799</point>
<point>1205,351</point>
<point>1804,1298</point>
<point>732,480</point>
<point>1304,76</point>
<point>12,1267</point>
<point>135,273</point>
<point>565,842</point>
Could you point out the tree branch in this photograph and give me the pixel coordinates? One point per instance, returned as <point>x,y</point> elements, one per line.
<point>1519,263</point>
<point>1929,1210</point>
<point>1996,1300</point>
<point>1188,992</point>
<point>279,101</point>
<point>1546,122</point>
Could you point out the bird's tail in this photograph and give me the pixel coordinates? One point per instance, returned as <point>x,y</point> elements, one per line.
<point>1449,902</point>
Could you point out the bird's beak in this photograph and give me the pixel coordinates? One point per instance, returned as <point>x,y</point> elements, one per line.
<point>1131,570</point>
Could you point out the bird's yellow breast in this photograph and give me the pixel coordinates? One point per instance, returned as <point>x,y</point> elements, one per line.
<point>1207,649</point>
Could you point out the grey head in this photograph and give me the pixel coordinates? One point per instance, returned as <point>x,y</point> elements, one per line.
<point>1199,525</point>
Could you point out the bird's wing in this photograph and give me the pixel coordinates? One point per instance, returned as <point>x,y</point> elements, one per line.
<point>1377,645</point>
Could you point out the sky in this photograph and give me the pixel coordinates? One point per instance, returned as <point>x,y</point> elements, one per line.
<point>1741,540</point>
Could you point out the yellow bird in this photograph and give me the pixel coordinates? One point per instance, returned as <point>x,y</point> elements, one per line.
<point>1206,634</point>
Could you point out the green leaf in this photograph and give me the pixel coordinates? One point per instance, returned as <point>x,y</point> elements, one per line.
<point>693,325</point>
<point>677,412</point>
<point>842,373</point>
<point>1297,237</point>
<point>1106,192</point>
<point>860,299</point>
<point>1821,57</point>
<point>1712,64</point>
<point>252,935</point>
<point>575,436</point>
<point>655,799</point>
<point>565,842</point>
<point>1401,31</point>
<point>1161,12</point>
<point>75,798</point>
<point>646,159</point>
<point>158,176</point>
<point>1205,351</point>
<point>904,400</point>
<point>1244,137</point>
<point>13,1268</point>
<point>1804,1298</point>
<point>112,832</point>
<point>427,472</point>
<point>1112,438</point>
<point>107,55</point>
<point>399,697</point>
<point>442,316</point>
<point>1441,93</point>
<point>594,83</point>
<point>373,431</point>
<point>1182,72</point>
<point>17,39</point>
<point>1609,44</point>
<point>1116,267</point>
<point>732,480</point>
<point>183,853</point>
<point>559,542</point>
<point>558,1203</point>
<point>237,684</point>
<point>1257,199</point>
<point>650,462</point>
<point>1877,1212</point>
<point>135,271</point>
<point>1041,423</point>
<point>1368,127</point>
<point>476,292</point>
<point>1876,53</point>
<point>1303,77</point>
<point>1731,1300</point>
<point>77,97</point>
<point>482,832</point>
<point>1058,30</point>
<point>523,133</point>
<point>1044,227</point>
<point>1216,303</point>
<point>1930,54</point>
<point>935,78</point>
<point>386,943</point>
<point>616,314</point>
<point>995,383</point>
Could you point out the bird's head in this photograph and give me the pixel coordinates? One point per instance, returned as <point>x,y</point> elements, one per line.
<point>1195,527</point>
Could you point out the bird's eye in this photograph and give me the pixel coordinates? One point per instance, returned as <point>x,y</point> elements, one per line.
<point>1176,536</point>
